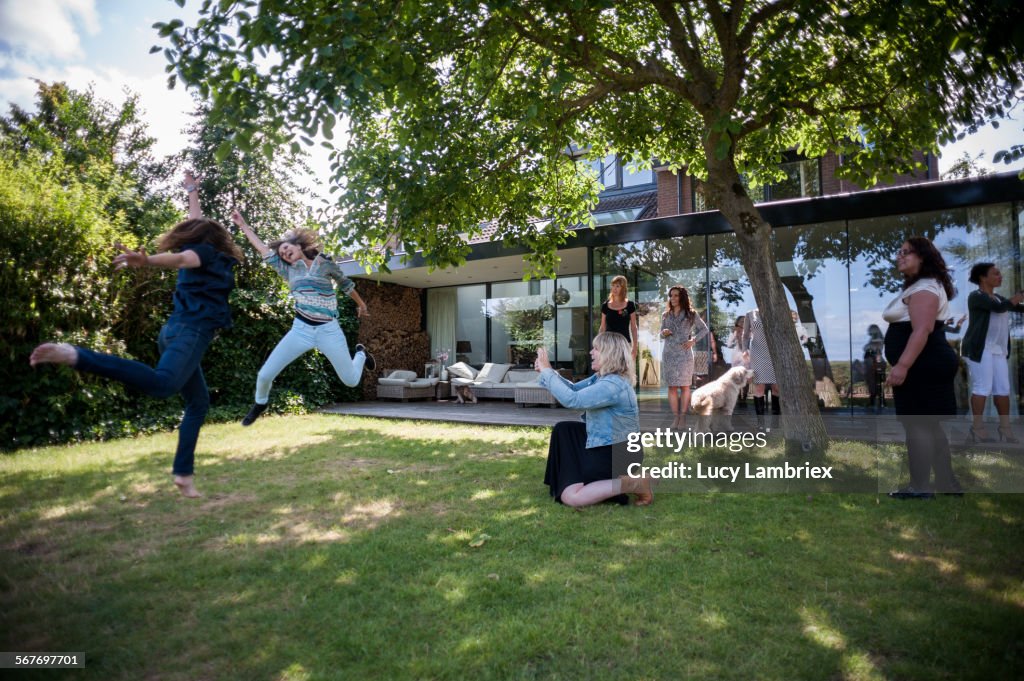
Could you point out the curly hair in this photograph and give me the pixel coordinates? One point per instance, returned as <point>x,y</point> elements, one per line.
<point>684,302</point>
<point>306,239</point>
<point>933,265</point>
<point>200,231</point>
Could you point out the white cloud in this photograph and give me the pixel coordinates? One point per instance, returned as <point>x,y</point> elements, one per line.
<point>166,112</point>
<point>43,29</point>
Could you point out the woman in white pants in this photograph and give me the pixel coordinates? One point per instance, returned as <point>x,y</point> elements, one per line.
<point>986,346</point>
<point>311,278</point>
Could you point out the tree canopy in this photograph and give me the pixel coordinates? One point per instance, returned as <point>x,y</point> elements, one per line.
<point>466,112</point>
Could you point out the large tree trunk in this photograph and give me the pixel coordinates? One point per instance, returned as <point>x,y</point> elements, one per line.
<point>802,425</point>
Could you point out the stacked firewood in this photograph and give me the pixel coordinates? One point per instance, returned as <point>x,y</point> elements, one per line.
<point>393,331</point>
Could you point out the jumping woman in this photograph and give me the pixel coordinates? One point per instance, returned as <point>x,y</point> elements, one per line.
<point>311,277</point>
<point>205,255</point>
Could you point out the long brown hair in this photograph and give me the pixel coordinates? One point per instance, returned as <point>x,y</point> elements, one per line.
<point>306,239</point>
<point>684,302</point>
<point>933,265</point>
<point>200,231</point>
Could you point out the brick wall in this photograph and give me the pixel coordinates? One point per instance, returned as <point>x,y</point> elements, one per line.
<point>668,196</point>
<point>392,333</point>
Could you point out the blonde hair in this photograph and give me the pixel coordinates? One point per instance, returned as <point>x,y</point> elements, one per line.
<point>615,355</point>
<point>619,279</point>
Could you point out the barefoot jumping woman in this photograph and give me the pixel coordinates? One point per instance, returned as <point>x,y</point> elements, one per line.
<point>311,278</point>
<point>205,255</point>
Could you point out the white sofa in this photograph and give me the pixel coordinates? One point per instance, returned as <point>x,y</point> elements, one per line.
<point>497,381</point>
<point>405,385</point>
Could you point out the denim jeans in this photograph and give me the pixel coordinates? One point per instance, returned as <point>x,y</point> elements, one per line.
<point>327,338</point>
<point>181,350</point>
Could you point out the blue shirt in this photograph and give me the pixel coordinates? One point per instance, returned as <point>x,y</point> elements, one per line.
<point>201,296</point>
<point>609,404</point>
<point>312,287</point>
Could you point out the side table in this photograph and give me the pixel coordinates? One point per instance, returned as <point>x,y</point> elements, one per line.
<point>443,390</point>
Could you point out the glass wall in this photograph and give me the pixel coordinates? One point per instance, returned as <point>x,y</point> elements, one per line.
<point>964,236</point>
<point>838,278</point>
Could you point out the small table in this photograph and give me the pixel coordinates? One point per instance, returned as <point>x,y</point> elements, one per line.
<point>442,391</point>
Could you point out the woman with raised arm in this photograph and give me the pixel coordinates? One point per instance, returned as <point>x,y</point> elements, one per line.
<point>580,453</point>
<point>311,277</point>
<point>986,346</point>
<point>205,255</point>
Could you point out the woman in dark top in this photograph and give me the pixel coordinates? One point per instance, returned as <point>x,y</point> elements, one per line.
<point>924,367</point>
<point>618,314</point>
<point>986,346</point>
<point>205,255</point>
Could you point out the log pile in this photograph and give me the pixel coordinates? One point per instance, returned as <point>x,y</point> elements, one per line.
<point>393,332</point>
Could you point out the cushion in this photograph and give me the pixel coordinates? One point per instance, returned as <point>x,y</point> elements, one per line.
<point>462,381</point>
<point>423,383</point>
<point>462,370</point>
<point>518,376</point>
<point>392,381</point>
<point>403,374</point>
<point>493,372</point>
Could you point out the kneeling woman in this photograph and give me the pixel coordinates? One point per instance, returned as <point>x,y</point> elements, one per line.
<point>579,470</point>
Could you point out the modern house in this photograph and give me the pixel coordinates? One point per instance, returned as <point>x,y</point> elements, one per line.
<point>835,249</point>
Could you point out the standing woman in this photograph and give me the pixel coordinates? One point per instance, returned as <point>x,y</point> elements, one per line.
<point>205,255</point>
<point>986,345</point>
<point>924,367</point>
<point>580,453</point>
<point>681,328</point>
<point>618,314</point>
<point>311,278</point>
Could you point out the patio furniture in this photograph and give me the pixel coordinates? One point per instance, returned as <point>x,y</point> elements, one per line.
<point>495,381</point>
<point>531,393</point>
<point>405,385</point>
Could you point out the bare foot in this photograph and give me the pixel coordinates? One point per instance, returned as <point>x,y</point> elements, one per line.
<point>54,353</point>
<point>186,485</point>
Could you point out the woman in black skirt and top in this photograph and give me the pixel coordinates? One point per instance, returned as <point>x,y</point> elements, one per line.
<point>580,453</point>
<point>618,314</point>
<point>923,367</point>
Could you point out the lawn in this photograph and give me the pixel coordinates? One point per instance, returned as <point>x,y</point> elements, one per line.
<point>334,547</point>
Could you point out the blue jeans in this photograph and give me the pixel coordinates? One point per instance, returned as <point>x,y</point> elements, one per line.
<point>181,350</point>
<point>327,338</point>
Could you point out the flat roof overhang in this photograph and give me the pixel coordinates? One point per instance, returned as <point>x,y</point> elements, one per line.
<point>495,261</point>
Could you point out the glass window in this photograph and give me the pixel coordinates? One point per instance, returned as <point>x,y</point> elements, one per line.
<point>614,216</point>
<point>470,326</point>
<point>803,178</point>
<point>521,320</point>
<point>964,236</point>
<point>633,177</point>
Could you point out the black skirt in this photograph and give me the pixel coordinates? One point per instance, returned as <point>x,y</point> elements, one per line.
<point>928,388</point>
<point>570,462</point>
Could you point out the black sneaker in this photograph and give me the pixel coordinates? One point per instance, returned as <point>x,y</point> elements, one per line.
<point>254,413</point>
<point>371,363</point>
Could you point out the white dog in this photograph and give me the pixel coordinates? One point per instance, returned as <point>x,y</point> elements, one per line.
<point>718,398</point>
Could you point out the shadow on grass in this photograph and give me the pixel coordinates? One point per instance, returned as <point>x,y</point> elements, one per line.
<point>346,553</point>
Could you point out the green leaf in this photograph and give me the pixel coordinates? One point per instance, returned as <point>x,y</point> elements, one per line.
<point>236,75</point>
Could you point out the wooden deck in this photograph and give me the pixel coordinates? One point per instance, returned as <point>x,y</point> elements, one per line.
<point>653,414</point>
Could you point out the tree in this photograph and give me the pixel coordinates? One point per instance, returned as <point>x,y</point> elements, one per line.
<point>462,112</point>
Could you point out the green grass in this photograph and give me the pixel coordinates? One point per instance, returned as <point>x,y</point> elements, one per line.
<point>342,548</point>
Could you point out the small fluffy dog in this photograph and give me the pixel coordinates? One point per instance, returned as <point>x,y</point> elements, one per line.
<point>718,398</point>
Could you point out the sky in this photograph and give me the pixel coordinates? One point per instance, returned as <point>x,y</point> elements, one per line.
<point>106,43</point>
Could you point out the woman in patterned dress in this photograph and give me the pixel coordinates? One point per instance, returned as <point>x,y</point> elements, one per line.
<point>677,329</point>
<point>755,342</point>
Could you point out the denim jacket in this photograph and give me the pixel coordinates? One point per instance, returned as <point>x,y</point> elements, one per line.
<point>609,404</point>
